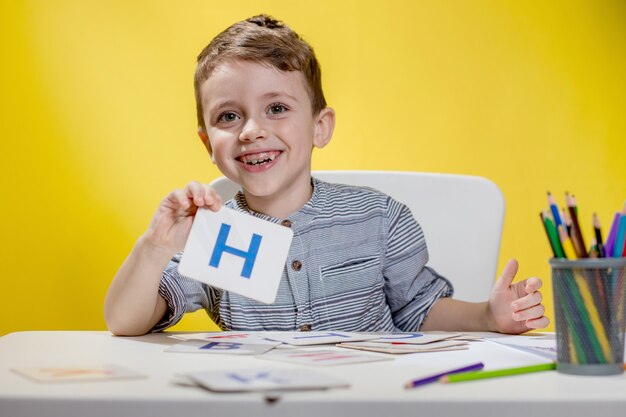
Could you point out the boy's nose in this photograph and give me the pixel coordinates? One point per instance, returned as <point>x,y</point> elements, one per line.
<point>252,131</point>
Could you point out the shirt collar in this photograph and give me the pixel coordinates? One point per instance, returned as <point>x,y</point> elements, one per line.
<point>298,219</point>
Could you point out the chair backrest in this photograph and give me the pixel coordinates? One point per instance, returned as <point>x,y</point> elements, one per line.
<point>461,217</point>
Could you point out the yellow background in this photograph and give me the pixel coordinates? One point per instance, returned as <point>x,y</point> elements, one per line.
<point>98,120</point>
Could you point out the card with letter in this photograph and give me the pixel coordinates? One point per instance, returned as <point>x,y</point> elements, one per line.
<point>326,357</point>
<point>416,338</point>
<point>236,252</point>
<point>406,348</point>
<point>265,380</point>
<point>255,338</point>
<point>54,374</point>
<point>220,346</point>
<point>319,338</point>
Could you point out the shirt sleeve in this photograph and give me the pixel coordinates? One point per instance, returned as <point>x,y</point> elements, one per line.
<point>183,294</point>
<point>411,287</point>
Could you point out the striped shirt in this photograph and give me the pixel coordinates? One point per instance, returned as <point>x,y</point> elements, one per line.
<point>357,262</point>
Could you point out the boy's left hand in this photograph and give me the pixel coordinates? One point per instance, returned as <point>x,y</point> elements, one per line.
<point>516,308</point>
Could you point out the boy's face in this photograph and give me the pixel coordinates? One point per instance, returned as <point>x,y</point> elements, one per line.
<point>261,130</point>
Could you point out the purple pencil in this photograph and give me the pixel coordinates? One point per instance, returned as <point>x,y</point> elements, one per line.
<point>610,240</point>
<point>434,378</point>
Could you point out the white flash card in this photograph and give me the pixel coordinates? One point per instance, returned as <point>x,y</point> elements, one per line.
<point>415,338</point>
<point>218,346</point>
<point>327,357</point>
<point>104,372</point>
<point>236,252</point>
<point>255,338</point>
<point>265,380</point>
<point>405,348</point>
<point>319,338</point>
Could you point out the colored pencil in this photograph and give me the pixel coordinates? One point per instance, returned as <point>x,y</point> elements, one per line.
<point>434,378</point>
<point>566,243</point>
<point>553,235</point>
<point>567,221</point>
<point>598,232</point>
<point>620,238</point>
<point>555,210</point>
<point>472,376</point>
<point>610,240</point>
<point>599,336</point>
<point>576,234</point>
<point>545,227</point>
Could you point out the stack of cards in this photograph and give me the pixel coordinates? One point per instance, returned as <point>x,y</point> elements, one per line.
<point>397,343</point>
<point>256,343</point>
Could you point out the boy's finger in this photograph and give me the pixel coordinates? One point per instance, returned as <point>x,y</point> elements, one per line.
<point>530,313</point>
<point>538,323</point>
<point>179,198</point>
<point>532,285</point>
<point>212,199</point>
<point>527,301</point>
<point>196,192</point>
<point>507,276</point>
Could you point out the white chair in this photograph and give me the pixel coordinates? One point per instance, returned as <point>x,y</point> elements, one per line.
<point>461,217</point>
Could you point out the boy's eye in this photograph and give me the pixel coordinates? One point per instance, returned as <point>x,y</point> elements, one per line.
<point>227,117</point>
<point>276,109</point>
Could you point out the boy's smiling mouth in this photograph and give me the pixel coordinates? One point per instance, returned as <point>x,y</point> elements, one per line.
<point>258,158</point>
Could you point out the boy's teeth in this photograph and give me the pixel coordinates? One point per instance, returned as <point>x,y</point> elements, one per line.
<point>259,158</point>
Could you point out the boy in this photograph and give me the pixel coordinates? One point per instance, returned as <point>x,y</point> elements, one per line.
<point>357,261</point>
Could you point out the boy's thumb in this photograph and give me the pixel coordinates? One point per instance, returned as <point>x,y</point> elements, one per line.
<point>507,276</point>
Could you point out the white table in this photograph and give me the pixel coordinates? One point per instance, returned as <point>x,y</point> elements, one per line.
<point>376,388</point>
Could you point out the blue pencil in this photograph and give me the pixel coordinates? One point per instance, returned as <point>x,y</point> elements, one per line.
<point>620,238</point>
<point>434,378</point>
<point>555,211</point>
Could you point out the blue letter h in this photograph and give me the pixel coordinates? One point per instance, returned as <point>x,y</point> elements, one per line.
<point>221,247</point>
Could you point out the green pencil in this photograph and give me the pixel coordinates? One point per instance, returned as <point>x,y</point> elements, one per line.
<point>470,376</point>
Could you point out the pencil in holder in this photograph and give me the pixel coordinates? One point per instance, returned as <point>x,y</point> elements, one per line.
<point>589,306</point>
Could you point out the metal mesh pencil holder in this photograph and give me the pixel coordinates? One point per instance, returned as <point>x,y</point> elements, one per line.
<point>589,301</point>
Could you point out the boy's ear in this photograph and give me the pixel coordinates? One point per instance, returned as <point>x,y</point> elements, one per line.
<point>205,140</point>
<point>324,127</point>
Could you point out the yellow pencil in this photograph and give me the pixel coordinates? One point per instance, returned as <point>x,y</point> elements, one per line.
<point>566,242</point>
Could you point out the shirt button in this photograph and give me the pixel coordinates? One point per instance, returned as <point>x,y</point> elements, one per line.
<point>296,265</point>
<point>286,223</point>
<point>305,328</point>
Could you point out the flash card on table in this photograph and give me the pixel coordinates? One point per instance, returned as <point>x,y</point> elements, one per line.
<point>325,357</point>
<point>319,338</point>
<point>416,338</point>
<point>236,252</point>
<point>265,380</point>
<point>219,346</point>
<point>255,338</point>
<point>406,348</point>
<point>52,374</point>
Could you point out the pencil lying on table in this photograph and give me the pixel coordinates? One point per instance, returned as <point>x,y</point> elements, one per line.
<point>434,378</point>
<point>471,376</point>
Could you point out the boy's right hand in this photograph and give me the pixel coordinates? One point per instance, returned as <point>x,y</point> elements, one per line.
<point>170,226</point>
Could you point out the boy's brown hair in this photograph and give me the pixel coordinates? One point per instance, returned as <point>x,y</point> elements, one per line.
<point>264,40</point>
